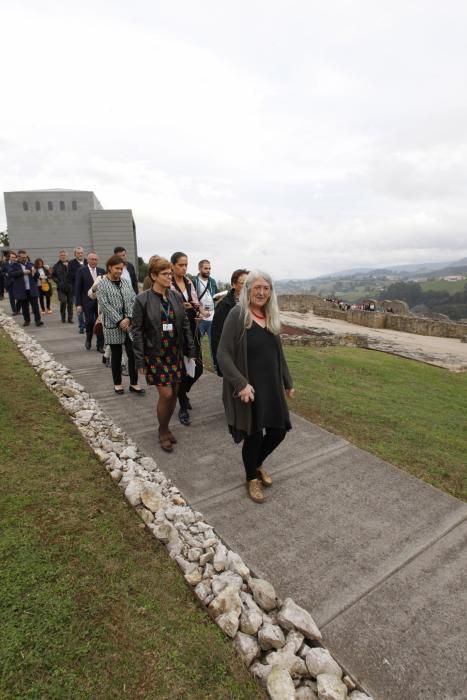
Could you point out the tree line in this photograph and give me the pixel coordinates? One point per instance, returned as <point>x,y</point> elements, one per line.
<point>439,301</point>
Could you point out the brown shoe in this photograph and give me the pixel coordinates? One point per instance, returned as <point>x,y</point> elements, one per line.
<point>254,490</point>
<point>264,476</point>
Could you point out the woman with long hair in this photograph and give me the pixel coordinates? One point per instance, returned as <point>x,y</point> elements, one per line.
<point>44,282</point>
<point>186,289</point>
<point>256,378</point>
<point>116,298</point>
<point>162,337</point>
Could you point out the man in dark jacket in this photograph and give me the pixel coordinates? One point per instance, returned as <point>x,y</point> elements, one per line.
<point>25,289</point>
<point>74,265</point>
<point>85,278</point>
<point>64,288</point>
<point>8,260</point>
<point>129,272</point>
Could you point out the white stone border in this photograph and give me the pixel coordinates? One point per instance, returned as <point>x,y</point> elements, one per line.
<point>278,640</point>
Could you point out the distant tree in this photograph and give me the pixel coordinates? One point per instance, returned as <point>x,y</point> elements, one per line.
<point>142,269</point>
<point>410,292</point>
<point>4,240</point>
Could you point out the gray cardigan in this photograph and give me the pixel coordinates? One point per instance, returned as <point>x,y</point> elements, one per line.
<point>233,362</point>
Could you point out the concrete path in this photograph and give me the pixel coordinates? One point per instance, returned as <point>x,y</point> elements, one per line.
<point>378,557</point>
<point>448,353</point>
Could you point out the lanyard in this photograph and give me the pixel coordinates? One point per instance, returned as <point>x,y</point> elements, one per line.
<point>165,311</point>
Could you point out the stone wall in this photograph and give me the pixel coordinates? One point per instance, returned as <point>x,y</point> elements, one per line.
<point>323,340</point>
<point>303,303</point>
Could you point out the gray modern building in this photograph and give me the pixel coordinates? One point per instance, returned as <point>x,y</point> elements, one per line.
<point>45,221</point>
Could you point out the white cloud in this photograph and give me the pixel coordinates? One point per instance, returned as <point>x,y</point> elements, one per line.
<point>300,136</point>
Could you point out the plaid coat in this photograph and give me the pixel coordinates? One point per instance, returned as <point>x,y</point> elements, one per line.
<point>115,303</point>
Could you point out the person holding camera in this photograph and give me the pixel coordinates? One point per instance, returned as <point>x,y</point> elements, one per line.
<point>186,289</point>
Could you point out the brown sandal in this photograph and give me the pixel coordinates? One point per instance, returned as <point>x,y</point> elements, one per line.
<point>167,442</point>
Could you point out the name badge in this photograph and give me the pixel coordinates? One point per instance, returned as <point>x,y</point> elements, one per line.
<point>167,327</point>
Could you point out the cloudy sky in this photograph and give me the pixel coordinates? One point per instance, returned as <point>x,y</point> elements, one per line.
<point>298,136</point>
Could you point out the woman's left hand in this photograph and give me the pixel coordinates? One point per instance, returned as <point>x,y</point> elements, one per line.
<point>124,325</point>
<point>290,393</point>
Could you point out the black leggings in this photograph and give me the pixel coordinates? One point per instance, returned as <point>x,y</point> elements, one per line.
<point>116,363</point>
<point>257,447</point>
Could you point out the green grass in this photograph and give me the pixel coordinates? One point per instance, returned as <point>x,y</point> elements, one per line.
<point>410,414</point>
<point>443,286</point>
<point>91,606</point>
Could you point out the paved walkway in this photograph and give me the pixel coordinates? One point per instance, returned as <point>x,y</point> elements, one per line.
<point>448,353</point>
<point>378,557</point>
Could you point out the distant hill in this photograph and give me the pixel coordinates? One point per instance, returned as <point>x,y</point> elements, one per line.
<point>325,284</point>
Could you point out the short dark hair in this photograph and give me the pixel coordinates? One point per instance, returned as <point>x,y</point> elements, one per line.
<point>119,249</point>
<point>113,260</point>
<point>201,262</point>
<point>22,252</point>
<point>236,274</point>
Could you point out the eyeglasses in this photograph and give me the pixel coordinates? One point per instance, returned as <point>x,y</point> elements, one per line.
<point>165,274</point>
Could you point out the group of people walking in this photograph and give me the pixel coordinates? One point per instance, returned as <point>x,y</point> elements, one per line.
<point>161,329</point>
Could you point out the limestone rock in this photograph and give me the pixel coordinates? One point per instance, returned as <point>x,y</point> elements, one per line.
<point>145,515</point>
<point>304,692</point>
<point>228,622</point>
<point>163,532</point>
<point>194,578</point>
<point>186,566</point>
<point>292,615</point>
<point>194,554</point>
<point>271,637</point>
<point>116,474</point>
<point>206,557</point>
<point>226,578</point>
<point>133,492</point>
<point>358,695</point>
<point>220,558</point>
<point>260,671</point>
<point>319,660</point>
<point>331,688</point>
<point>235,563</point>
<point>280,684</point>
<point>151,497</point>
<point>263,593</point>
<point>250,621</point>
<point>294,640</point>
<point>128,453</point>
<point>228,600</point>
<point>248,647</point>
<point>202,591</point>
<point>292,663</point>
<point>148,463</point>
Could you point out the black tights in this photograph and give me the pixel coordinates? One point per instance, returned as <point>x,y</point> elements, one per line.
<point>257,447</point>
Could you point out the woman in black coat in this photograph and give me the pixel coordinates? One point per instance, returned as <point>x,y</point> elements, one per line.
<point>223,309</point>
<point>161,339</point>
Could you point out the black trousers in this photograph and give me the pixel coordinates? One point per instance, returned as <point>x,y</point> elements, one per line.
<point>66,304</point>
<point>46,296</point>
<point>257,447</point>
<point>116,362</point>
<point>34,306</point>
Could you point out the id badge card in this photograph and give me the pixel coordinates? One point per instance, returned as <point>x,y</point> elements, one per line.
<point>167,327</point>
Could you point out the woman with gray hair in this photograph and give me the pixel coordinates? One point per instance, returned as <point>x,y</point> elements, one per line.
<point>256,378</point>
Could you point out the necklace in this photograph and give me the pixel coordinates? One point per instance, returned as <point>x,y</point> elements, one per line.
<point>257,315</point>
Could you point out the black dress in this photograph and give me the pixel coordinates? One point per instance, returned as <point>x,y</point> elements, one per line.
<point>269,408</point>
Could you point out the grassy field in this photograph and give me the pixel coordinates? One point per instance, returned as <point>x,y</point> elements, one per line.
<point>443,286</point>
<point>91,605</point>
<point>410,414</point>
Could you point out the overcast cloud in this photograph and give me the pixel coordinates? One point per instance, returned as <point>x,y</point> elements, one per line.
<point>302,137</point>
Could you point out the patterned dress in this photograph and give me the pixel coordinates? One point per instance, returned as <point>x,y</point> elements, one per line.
<point>165,369</point>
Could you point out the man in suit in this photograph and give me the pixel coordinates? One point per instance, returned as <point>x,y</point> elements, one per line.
<point>25,289</point>
<point>64,288</point>
<point>85,278</point>
<point>129,272</point>
<point>74,265</point>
